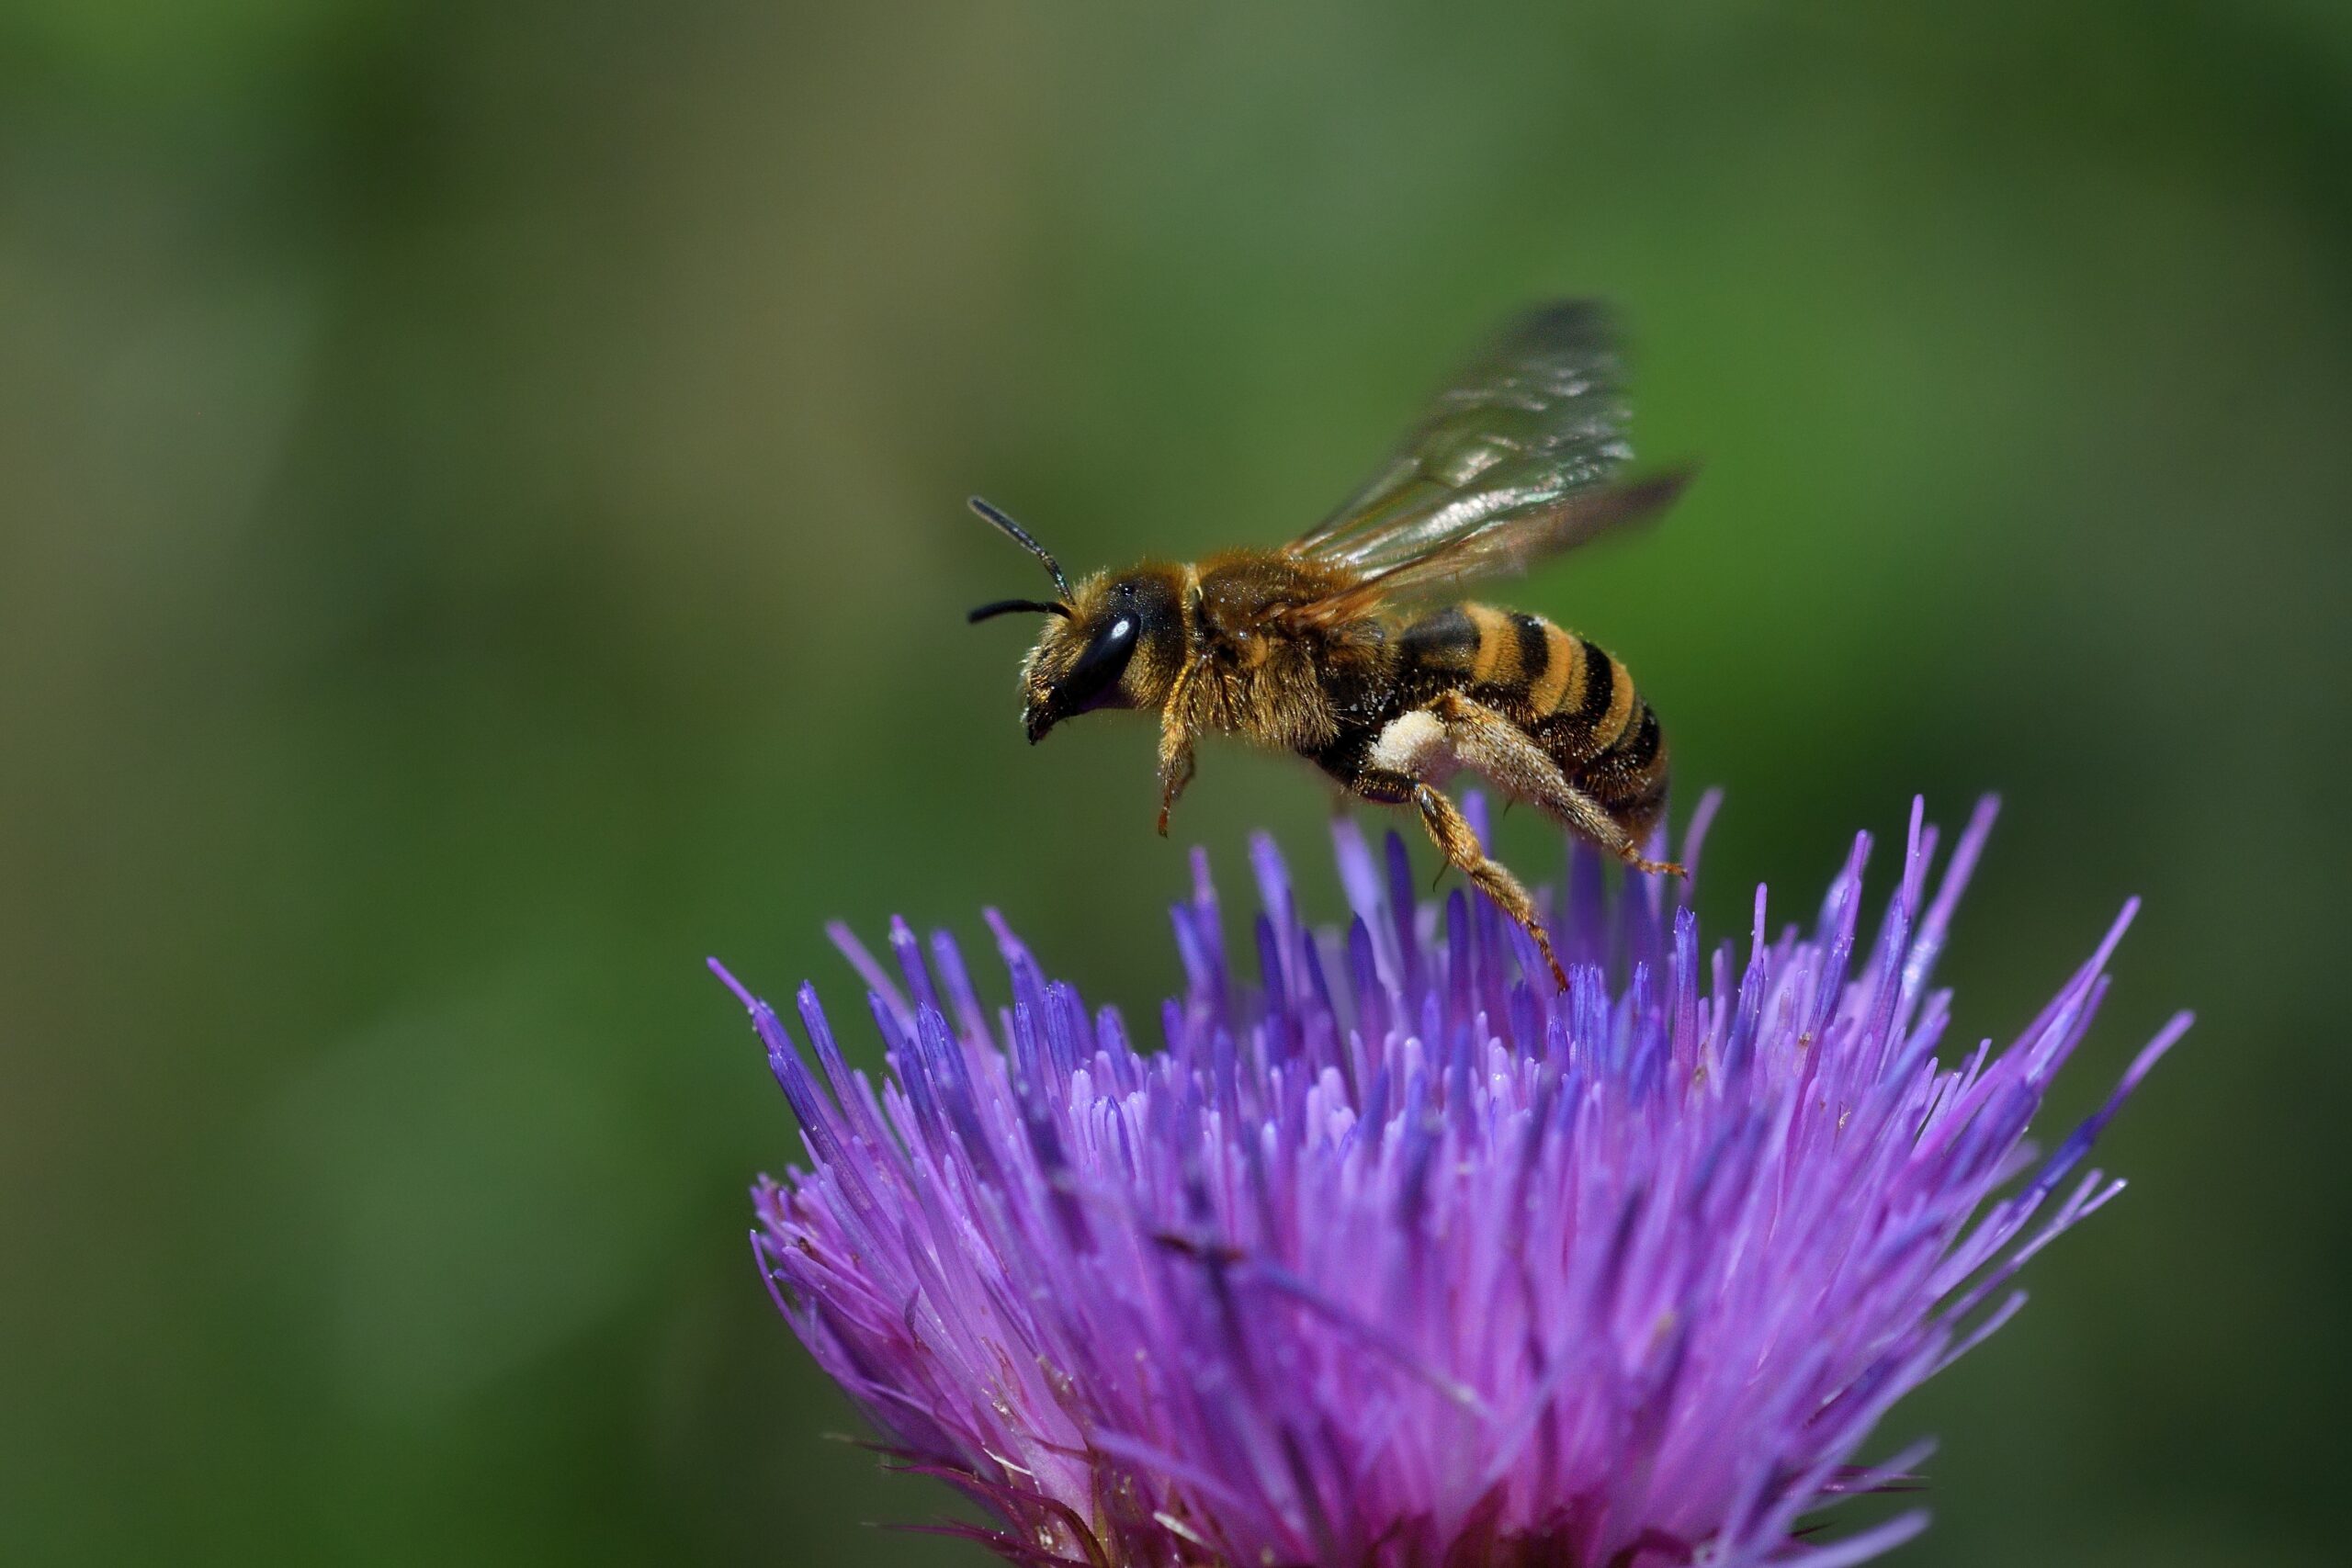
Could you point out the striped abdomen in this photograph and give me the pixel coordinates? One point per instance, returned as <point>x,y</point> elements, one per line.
<point>1577,702</point>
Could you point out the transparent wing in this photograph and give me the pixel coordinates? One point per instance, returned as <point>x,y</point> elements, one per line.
<point>1502,548</point>
<point>1511,544</point>
<point>1532,423</point>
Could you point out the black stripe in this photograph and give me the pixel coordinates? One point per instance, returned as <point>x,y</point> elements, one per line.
<point>1638,748</point>
<point>1600,688</point>
<point>1534,649</point>
<point>1446,640</point>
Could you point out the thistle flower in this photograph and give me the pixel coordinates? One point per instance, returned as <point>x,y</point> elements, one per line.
<point>1397,1256</point>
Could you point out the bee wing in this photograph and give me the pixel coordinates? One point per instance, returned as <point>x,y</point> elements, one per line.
<point>1516,541</point>
<point>1509,463</point>
<point>1503,547</point>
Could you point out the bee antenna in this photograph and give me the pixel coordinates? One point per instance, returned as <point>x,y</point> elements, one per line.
<point>1008,606</point>
<point>1020,535</point>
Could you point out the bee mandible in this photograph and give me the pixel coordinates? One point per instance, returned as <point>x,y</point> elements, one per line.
<point>1351,645</point>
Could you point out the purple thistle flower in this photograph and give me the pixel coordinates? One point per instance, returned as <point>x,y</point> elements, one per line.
<point>1394,1259</point>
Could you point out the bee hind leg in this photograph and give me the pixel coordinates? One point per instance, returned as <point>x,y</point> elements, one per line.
<point>1508,756</point>
<point>1460,845</point>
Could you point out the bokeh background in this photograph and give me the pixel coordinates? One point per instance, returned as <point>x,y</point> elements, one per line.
<point>480,530</point>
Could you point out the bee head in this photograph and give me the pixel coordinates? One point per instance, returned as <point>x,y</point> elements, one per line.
<point>1118,644</point>
<point>1112,642</point>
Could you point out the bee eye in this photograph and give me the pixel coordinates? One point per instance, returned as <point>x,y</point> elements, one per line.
<point>1098,668</point>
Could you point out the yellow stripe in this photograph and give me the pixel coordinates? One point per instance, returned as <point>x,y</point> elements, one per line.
<point>1620,708</point>
<point>1497,661</point>
<point>1559,677</point>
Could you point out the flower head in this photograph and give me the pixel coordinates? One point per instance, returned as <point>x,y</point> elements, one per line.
<point>1397,1255</point>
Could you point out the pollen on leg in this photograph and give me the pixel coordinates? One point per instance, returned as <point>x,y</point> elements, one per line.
<point>1413,744</point>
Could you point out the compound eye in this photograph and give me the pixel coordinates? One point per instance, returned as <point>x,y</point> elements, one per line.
<point>1098,668</point>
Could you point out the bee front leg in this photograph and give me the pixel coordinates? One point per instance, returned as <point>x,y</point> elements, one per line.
<point>1177,724</point>
<point>1175,765</point>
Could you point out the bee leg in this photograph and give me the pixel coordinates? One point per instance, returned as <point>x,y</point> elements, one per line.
<point>1584,814</point>
<point>1631,856</point>
<point>1178,724</point>
<point>1175,765</point>
<point>1460,846</point>
<point>1486,741</point>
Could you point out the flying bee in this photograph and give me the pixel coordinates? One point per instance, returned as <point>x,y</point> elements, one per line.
<point>1351,647</point>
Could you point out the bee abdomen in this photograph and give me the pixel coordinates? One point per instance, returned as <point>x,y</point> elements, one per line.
<point>1628,776</point>
<point>1591,706</point>
<point>1571,695</point>
<point>1605,736</point>
<point>1494,654</point>
<point>1442,646</point>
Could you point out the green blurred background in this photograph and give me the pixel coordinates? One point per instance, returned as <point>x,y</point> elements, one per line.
<point>482,530</point>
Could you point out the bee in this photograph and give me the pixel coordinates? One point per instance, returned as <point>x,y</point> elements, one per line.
<point>1352,645</point>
